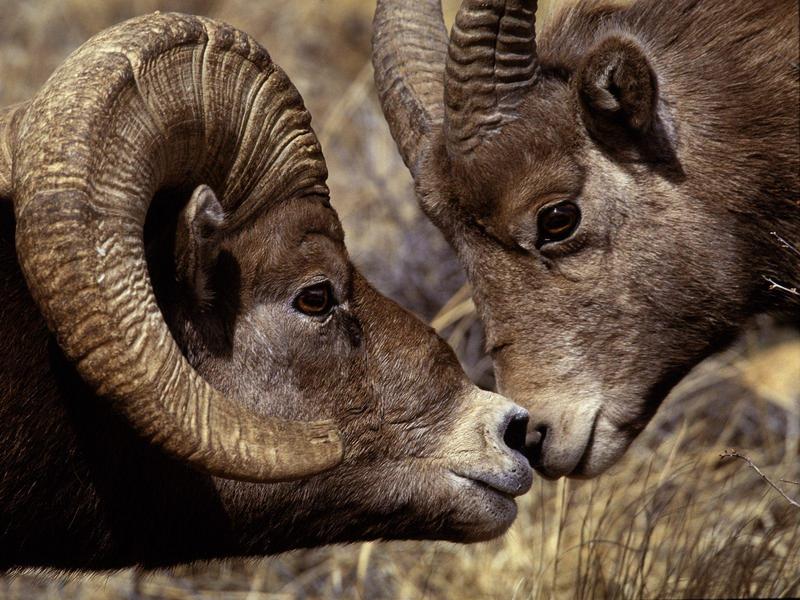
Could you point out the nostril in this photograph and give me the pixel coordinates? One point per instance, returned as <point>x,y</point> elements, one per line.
<point>514,436</point>
<point>535,437</point>
<point>534,444</point>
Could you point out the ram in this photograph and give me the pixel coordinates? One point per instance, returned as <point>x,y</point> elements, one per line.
<point>190,365</point>
<point>616,187</point>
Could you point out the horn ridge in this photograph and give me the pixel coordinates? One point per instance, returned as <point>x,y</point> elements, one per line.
<point>10,117</point>
<point>152,102</point>
<point>491,65</point>
<point>409,48</point>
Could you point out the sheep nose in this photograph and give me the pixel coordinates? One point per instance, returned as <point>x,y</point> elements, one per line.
<point>514,435</point>
<point>534,443</point>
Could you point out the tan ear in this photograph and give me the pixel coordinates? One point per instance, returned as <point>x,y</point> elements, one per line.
<point>617,88</point>
<point>197,241</point>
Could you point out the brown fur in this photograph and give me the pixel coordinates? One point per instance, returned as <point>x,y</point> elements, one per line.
<point>674,127</point>
<point>426,454</point>
<point>79,489</point>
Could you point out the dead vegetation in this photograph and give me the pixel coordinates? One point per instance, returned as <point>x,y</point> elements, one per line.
<point>673,519</point>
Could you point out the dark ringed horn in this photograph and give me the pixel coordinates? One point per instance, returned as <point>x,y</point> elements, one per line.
<point>163,100</point>
<point>491,66</point>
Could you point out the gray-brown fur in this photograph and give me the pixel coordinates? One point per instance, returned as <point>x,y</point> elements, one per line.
<point>674,127</point>
<point>225,221</point>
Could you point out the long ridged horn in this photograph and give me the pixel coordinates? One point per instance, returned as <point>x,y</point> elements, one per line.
<point>9,123</point>
<point>409,47</point>
<point>491,65</point>
<point>156,102</point>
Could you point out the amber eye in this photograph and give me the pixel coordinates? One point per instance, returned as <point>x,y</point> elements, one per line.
<point>315,300</point>
<point>557,222</point>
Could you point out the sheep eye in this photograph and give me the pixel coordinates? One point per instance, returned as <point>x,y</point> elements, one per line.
<point>315,300</point>
<point>557,222</point>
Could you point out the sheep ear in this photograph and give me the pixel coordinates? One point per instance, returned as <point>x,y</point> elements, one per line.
<point>617,88</point>
<point>197,241</point>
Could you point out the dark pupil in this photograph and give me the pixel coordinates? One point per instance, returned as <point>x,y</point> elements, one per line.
<point>558,221</point>
<point>314,299</point>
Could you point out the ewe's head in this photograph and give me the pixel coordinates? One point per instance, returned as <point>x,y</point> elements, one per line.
<point>174,227</point>
<point>599,274</point>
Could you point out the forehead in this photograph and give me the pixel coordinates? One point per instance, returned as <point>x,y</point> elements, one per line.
<point>291,243</point>
<point>531,157</point>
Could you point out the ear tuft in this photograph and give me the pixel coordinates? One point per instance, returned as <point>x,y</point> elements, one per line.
<point>197,241</point>
<point>617,86</point>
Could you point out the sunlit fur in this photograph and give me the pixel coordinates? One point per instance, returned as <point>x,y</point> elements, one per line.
<point>79,489</point>
<point>674,127</point>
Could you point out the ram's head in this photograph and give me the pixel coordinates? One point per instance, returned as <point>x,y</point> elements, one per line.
<point>609,185</point>
<point>174,228</point>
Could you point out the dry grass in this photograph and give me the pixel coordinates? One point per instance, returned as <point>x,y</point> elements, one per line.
<point>671,520</point>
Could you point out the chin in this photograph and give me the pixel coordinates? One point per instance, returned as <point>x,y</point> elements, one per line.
<point>483,513</point>
<point>599,458</point>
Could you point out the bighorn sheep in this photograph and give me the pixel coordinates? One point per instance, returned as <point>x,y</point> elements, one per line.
<point>178,306</point>
<point>611,186</point>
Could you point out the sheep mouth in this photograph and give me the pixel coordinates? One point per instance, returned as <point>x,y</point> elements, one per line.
<point>494,485</point>
<point>536,448</point>
<point>605,444</point>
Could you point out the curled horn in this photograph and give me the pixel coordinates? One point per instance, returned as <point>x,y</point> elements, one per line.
<point>9,122</point>
<point>161,101</point>
<point>409,47</point>
<point>491,65</point>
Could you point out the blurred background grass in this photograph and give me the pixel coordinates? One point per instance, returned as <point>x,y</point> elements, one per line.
<point>671,520</point>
